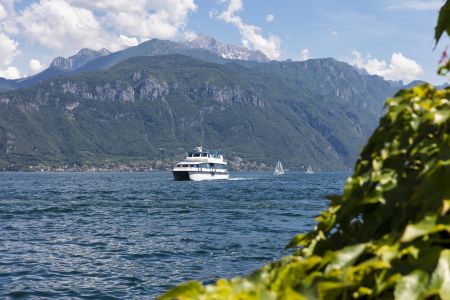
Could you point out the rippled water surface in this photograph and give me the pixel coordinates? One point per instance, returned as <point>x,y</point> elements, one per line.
<point>134,235</point>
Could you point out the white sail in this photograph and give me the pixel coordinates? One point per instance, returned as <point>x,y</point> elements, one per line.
<point>309,170</point>
<point>278,169</point>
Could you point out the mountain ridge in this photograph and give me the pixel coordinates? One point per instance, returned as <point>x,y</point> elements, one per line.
<point>77,60</point>
<point>202,47</point>
<point>157,107</point>
<point>86,60</point>
<point>226,51</point>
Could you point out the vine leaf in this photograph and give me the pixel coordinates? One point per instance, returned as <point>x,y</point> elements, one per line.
<point>443,23</point>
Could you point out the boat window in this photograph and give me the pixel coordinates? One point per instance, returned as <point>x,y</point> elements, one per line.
<point>196,155</point>
<point>204,155</point>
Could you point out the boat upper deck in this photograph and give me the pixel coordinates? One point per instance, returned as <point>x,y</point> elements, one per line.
<point>200,154</point>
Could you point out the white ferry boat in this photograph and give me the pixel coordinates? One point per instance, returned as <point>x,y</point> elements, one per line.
<point>201,164</point>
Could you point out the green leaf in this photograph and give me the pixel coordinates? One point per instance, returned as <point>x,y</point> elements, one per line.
<point>332,290</point>
<point>443,23</point>
<point>440,280</point>
<point>411,286</point>
<point>426,226</point>
<point>290,294</point>
<point>299,240</point>
<point>344,257</point>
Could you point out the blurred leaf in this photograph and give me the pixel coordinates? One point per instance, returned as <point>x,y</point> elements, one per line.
<point>411,286</point>
<point>440,280</point>
<point>299,240</point>
<point>332,290</point>
<point>426,226</point>
<point>290,294</point>
<point>344,257</point>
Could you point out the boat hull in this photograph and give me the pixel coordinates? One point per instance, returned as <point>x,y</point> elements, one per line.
<point>180,175</point>
<point>199,176</point>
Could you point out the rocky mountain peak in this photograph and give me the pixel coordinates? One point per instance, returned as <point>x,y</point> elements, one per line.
<point>225,50</point>
<point>79,59</point>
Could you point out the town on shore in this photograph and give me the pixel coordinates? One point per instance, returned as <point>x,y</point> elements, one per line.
<point>236,164</point>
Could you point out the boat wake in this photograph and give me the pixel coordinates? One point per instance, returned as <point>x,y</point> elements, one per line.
<point>240,178</point>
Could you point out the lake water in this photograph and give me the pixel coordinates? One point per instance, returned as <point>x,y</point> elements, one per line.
<point>134,235</point>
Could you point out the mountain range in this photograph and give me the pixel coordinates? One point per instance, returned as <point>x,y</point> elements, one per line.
<point>202,47</point>
<point>156,100</point>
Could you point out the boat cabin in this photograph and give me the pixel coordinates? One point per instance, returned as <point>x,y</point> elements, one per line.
<point>200,152</point>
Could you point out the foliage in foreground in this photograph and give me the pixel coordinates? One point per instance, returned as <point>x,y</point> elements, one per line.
<point>387,236</point>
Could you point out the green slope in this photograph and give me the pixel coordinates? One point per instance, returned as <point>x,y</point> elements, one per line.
<point>317,112</point>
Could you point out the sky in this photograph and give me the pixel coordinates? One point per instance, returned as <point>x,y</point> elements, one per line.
<point>390,38</point>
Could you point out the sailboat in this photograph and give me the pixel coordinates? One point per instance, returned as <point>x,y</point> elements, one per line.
<point>278,169</point>
<point>309,170</point>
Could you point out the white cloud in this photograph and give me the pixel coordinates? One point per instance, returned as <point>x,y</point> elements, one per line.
<point>143,19</point>
<point>9,49</point>
<point>305,54</point>
<point>270,18</point>
<point>190,35</point>
<point>10,73</point>
<point>65,26</point>
<point>68,25</point>
<point>3,13</point>
<point>35,66</point>
<point>399,68</point>
<point>128,41</point>
<point>57,24</point>
<point>417,5</point>
<point>251,38</point>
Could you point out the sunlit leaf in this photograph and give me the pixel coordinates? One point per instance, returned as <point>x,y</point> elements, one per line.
<point>440,280</point>
<point>425,226</point>
<point>411,286</point>
<point>345,257</point>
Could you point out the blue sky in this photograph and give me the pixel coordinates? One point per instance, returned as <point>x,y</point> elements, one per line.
<point>393,39</point>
